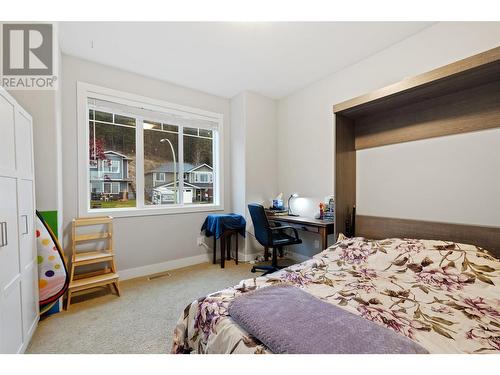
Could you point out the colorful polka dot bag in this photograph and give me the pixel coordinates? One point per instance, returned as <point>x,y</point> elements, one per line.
<point>53,277</point>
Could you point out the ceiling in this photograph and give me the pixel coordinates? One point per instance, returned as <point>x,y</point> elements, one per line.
<point>226,58</point>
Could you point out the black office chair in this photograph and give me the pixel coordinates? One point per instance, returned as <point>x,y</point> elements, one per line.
<point>269,236</point>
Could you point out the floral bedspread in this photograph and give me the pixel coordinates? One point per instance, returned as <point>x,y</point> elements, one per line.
<point>445,296</point>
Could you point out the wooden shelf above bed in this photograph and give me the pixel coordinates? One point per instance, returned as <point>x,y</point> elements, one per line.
<point>469,72</point>
<point>457,98</point>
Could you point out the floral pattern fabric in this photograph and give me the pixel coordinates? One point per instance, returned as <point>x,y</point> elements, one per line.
<point>445,296</point>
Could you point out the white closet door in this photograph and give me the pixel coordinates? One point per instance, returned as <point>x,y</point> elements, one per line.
<point>11,325</point>
<point>29,289</point>
<point>24,145</point>
<point>27,254</point>
<point>10,279</point>
<point>26,223</point>
<point>7,150</point>
<point>9,247</point>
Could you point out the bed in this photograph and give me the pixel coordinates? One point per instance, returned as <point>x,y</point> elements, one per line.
<point>442,295</point>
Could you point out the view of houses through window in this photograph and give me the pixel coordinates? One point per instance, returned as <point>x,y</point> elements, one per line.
<point>161,163</point>
<point>167,180</point>
<point>169,177</point>
<point>112,155</point>
<point>198,158</point>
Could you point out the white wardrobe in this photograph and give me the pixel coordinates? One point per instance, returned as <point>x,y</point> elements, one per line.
<point>18,258</point>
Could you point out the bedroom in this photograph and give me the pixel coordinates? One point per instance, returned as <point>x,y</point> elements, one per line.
<point>166,160</point>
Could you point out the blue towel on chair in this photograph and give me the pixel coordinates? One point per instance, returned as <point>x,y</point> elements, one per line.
<point>216,224</point>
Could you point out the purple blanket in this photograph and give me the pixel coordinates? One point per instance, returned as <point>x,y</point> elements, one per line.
<point>289,320</point>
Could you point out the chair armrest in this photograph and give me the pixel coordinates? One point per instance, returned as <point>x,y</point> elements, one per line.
<point>287,227</point>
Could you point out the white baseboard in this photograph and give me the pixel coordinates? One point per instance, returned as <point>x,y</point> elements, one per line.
<point>150,269</point>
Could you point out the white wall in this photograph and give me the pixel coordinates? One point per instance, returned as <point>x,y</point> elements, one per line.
<point>261,148</point>
<point>253,151</point>
<point>45,109</point>
<point>238,155</point>
<point>42,107</point>
<point>447,179</point>
<point>305,125</point>
<point>139,241</point>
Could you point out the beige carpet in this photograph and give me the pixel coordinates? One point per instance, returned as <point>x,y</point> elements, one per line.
<point>140,321</point>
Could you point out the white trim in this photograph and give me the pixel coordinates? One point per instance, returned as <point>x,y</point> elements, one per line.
<point>84,91</point>
<point>197,177</point>
<point>199,166</point>
<point>218,160</point>
<point>172,183</point>
<point>180,172</point>
<point>134,100</point>
<point>117,153</point>
<point>156,179</point>
<point>140,183</point>
<point>109,166</point>
<point>111,184</point>
<point>155,210</point>
<point>151,269</point>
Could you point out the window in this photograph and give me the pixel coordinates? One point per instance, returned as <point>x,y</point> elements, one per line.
<point>160,177</point>
<point>205,177</point>
<point>111,143</point>
<point>161,157</point>
<point>111,187</point>
<point>107,187</point>
<point>145,156</point>
<point>111,166</point>
<point>198,153</point>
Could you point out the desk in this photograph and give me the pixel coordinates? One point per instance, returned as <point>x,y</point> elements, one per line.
<point>308,224</point>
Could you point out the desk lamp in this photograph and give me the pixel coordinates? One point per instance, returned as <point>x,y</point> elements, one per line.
<point>294,195</point>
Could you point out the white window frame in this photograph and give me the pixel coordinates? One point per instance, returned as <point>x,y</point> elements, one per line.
<point>197,177</point>
<point>85,91</point>
<point>104,184</point>
<point>163,179</point>
<point>111,184</point>
<point>106,168</point>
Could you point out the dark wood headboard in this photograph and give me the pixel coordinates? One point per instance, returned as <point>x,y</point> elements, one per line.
<point>457,98</point>
<point>374,227</point>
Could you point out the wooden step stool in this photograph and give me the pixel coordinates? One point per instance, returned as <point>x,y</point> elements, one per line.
<point>106,276</point>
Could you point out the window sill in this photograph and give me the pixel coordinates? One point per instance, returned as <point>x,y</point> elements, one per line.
<point>154,211</point>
